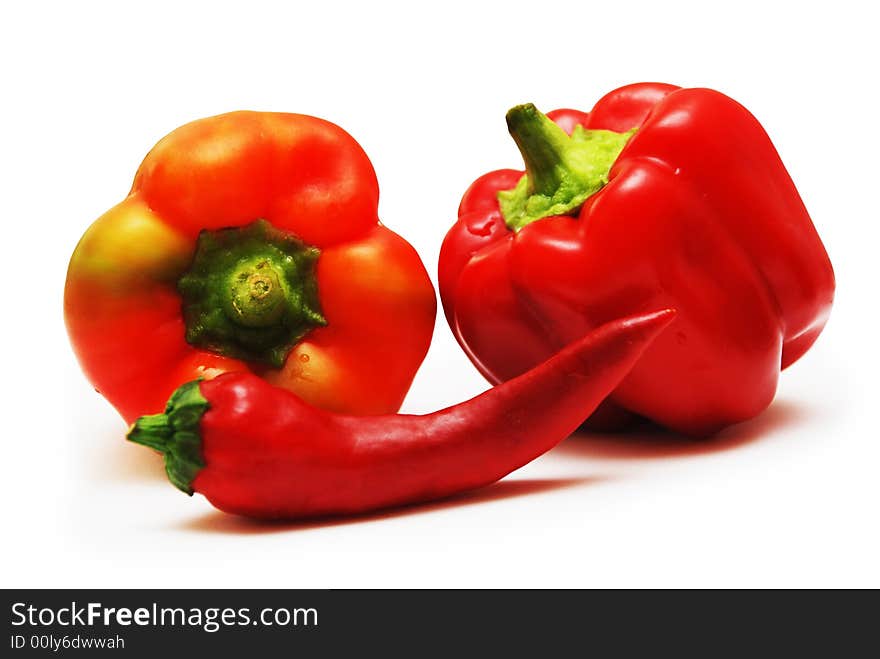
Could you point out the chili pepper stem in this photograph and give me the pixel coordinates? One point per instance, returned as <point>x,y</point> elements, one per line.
<point>175,433</point>
<point>151,430</point>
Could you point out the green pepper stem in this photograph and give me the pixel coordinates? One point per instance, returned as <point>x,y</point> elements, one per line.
<point>256,294</point>
<point>175,434</point>
<point>561,171</point>
<point>153,430</point>
<point>250,293</point>
<point>543,146</point>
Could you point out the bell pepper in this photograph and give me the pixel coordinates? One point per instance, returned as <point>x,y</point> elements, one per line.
<point>250,242</point>
<point>658,197</point>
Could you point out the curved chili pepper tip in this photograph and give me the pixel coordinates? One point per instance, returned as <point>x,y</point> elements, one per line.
<point>258,450</point>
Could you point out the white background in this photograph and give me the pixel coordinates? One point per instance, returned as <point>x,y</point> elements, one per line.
<point>789,499</point>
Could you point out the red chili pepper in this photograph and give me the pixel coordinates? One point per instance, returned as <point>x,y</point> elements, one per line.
<point>658,197</point>
<point>261,451</point>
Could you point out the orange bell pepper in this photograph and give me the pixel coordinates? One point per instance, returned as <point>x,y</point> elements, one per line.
<point>250,242</point>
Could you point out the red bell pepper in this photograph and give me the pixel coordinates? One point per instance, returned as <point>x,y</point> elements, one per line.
<point>659,196</point>
<point>250,242</point>
<point>258,450</point>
